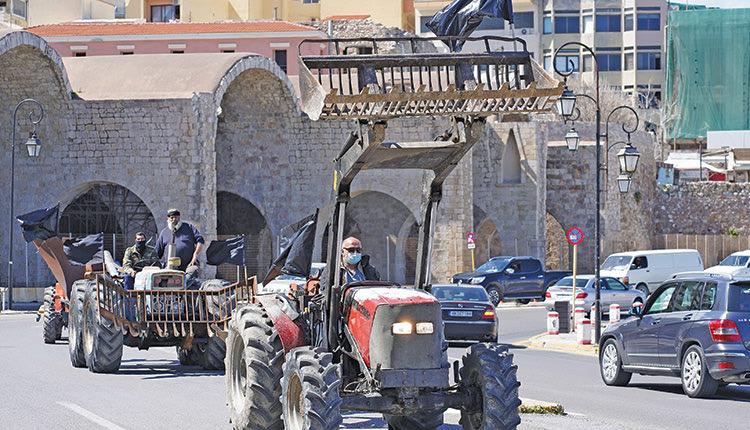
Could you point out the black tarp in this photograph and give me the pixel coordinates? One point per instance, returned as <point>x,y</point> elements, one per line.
<point>297,242</point>
<point>39,224</point>
<point>461,17</point>
<point>83,251</point>
<point>230,251</point>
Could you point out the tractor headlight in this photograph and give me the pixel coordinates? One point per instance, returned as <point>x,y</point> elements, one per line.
<point>477,280</point>
<point>401,328</point>
<point>424,328</point>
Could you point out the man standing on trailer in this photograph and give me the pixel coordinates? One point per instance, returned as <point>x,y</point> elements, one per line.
<point>188,240</point>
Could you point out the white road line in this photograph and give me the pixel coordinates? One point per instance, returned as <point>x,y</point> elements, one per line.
<point>91,416</point>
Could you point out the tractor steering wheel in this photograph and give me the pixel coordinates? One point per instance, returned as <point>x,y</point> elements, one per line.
<point>140,264</point>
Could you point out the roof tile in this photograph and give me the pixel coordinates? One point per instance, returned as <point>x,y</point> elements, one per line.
<point>116,28</point>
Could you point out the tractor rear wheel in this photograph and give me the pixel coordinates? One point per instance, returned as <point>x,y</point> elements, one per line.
<point>430,420</point>
<point>102,342</point>
<point>310,390</point>
<point>215,348</point>
<point>53,321</point>
<point>253,364</point>
<point>75,323</point>
<point>488,375</point>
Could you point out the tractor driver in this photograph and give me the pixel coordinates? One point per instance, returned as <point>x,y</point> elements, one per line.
<point>355,266</point>
<point>189,243</point>
<point>139,251</point>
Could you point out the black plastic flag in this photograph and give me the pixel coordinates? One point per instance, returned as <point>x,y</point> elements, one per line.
<point>39,224</point>
<point>461,17</point>
<point>297,242</point>
<point>87,250</point>
<point>230,251</point>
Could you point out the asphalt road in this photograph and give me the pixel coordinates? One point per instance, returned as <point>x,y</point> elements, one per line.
<point>40,389</point>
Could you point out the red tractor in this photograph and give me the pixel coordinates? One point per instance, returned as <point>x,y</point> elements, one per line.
<point>298,363</point>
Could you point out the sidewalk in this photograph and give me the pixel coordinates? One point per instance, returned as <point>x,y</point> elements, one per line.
<point>564,342</point>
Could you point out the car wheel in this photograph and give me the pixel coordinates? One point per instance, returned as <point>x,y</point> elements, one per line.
<point>610,365</point>
<point>643,288</point>
<point>696,381</point>
<point>495,293</point>
<point>523,301</point>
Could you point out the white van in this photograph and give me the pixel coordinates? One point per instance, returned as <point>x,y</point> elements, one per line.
<point>737,265</point>
<point>647,269</point>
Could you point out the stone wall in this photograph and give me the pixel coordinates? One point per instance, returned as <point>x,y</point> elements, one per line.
<point>702,208</point>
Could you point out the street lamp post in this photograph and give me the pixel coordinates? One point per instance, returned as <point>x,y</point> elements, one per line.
<point>566,108</point>
<point>33,146</point>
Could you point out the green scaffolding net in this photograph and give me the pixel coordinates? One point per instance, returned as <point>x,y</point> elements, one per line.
<point>708,71</point>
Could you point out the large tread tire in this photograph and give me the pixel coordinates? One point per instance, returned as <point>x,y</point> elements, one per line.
<point>489,375</point>
<point>696,381</point>
<point>52,322</point>
<point>215,349</point>
<point>310,390</point>
<point>192,356</point>
<point>102,342</point>
<point>75,323</point>
<point>253,364</point>
<point>610,365</point>
<point>428,420</point>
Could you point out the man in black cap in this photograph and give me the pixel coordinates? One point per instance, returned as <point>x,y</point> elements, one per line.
<point>188,239</point>
<point>139,251</point>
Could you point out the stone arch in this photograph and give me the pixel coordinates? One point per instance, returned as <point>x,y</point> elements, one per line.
<point>27,43</point>
<point>236,215</point>
<point>487,238</point>
<point>109,208</point>
<point>558,253</point>
<point>510,169</point>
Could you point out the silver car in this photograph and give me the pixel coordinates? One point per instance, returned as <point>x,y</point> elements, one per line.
<point>612,291</point>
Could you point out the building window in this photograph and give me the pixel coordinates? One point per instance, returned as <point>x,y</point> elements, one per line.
<point>605,23</point>
<point>310,1</point>
<point>547,25</point>
<point>165,13</point>
<point>649,61</point>
<point>649,97</point>
<point>489,23</point>
<point>566,24</point>
<point>523,19</point>
<point>629,22</point>
<point>629,61</point>
<point>609,62</point>
<point>588,24</point>
<point>548,63</point>
<point>280,57</point>
<point>126,52</point>
<point>227,51</point>
<point>648,21</point>
<point>587,63</point>
<point>79,54</point>
<point>423,20</point>
<point>177,51</point>
<point>564,62</point>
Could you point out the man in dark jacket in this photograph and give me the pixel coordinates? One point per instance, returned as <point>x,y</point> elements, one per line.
<point>355,266</point>
<point>139,251</point>
<point>188,240</point>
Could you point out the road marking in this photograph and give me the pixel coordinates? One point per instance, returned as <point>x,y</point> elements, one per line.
<point>91,416</point>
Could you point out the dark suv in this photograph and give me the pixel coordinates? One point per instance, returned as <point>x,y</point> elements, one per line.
<point>695,326</point>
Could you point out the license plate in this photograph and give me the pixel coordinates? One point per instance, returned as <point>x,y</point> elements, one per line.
<point>460,313</point>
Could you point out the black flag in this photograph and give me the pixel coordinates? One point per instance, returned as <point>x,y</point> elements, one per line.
<point>39,224</point>
<point>461,17</point>
<point>297,241</point>
<point>87,250</point>
<point>230,251</point>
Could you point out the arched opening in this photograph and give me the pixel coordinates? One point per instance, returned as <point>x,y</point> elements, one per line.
<point>558,249</point>
<point>237,216</point>
<point>110,209</point>
<point>486,237</point>
<point>510,170</point>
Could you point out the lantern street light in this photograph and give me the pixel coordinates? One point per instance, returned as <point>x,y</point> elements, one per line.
<point>566,108</point>
<point>33,147</point>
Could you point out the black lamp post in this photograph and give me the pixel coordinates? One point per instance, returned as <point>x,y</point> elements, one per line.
<point>33,146</point>
<point>566,108</point>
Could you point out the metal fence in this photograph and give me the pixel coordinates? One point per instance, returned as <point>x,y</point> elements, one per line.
<point>713,248</point>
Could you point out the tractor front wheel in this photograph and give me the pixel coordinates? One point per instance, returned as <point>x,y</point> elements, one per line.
<point>75,323</point>
<point>253,364</point>
<point>102,342</point>
<point>488,375</point>
<point>215,348</point>
<point>53,321</point>
<point>310,390</point>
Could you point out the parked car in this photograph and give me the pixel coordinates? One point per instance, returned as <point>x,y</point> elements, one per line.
<point>518,278</point>
<point>647,269</point>
<point>468,313</point>
<point>280,284</point>
<point>736,264</point>
<point>611,292</point>
<point>695,326</point>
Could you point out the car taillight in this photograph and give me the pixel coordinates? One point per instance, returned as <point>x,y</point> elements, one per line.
<point>581,295</point>
<point>724,331</point>
<point>489,312</point>
<point>548,295</point>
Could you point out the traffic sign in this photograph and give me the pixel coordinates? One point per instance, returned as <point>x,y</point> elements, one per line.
<point>472,246</point>
<point>575,236</point>
<point>470,237</point>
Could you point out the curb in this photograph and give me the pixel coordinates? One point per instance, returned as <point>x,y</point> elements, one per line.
<point>554,342</point>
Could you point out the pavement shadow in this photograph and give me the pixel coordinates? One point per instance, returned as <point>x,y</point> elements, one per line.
<point>163,369</point>
<point>732,392</point>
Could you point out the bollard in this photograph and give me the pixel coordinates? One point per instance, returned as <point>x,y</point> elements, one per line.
<point>594,316</point>
<point>584,332</point>
<point>553,323</point>
<point>614,313</point>
<point>579,314</point>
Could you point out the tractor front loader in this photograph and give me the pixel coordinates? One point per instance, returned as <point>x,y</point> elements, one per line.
<point>298,363</point>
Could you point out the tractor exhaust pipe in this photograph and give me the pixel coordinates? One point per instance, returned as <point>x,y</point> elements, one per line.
<point>173,261</point>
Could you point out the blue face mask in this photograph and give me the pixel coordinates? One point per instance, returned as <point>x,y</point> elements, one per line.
<point>353,258</point>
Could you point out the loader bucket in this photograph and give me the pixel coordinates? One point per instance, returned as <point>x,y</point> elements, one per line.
<point>376,85</point>
<point>65,273</point>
